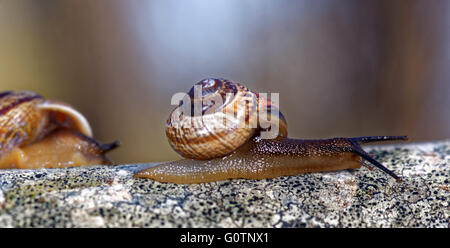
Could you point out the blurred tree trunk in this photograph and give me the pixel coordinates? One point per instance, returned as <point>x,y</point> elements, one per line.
<point>411,42</point>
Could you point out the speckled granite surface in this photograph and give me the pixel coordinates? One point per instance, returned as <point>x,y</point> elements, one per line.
<point>102,196</point>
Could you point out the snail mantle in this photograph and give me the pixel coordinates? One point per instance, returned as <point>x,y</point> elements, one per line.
<point>108,196</point>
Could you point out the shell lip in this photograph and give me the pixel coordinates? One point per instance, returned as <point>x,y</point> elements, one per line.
<point>80,121</point>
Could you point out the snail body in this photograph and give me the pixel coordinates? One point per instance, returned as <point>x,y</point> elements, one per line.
<point>37,133</point>
<point>258,159</point>
<point>215,153</point>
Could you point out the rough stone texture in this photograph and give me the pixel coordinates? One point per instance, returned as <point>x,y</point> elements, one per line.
<point>103,196</point>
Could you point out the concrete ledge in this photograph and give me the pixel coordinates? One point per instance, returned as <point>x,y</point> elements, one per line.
<point>103,196</point>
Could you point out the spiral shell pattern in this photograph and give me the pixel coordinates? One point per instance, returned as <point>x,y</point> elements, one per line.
<point>225,118</point>
<point>20,123</point>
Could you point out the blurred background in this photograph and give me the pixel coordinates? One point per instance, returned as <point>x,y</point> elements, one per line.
<point>342,68</point>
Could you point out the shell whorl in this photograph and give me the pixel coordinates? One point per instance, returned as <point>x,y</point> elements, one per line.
<point>215,118</point>
<point>20,123</point>
<point>26,117</point>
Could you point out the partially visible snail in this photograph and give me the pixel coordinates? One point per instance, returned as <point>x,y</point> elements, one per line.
<point>40,133</point>
<point>214,154</point>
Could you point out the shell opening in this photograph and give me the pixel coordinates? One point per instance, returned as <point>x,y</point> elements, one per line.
<point>81,123</point>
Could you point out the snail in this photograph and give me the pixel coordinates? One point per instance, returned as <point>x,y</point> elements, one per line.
<point>40,133</point>
<point>214,152</point>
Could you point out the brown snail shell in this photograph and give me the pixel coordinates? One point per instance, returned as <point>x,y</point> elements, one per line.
<point>218,129</point>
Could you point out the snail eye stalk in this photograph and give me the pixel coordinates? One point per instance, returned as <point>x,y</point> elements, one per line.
<point>111,146</point>
<point>368,139</point>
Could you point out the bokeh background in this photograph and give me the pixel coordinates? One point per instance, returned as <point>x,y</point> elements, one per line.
<point>342,68</point>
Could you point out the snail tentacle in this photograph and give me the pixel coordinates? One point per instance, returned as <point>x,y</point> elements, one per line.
<point>110,146</point>
<point>358,150</point>
<point>368,139</point>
